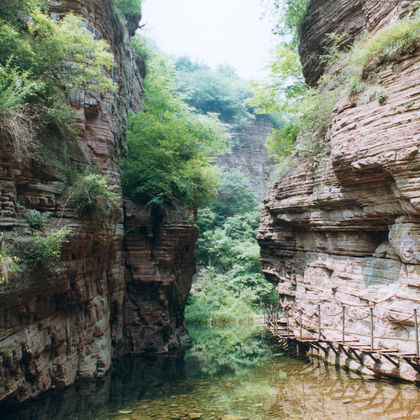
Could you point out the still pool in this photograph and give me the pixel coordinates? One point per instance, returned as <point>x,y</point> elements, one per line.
<point>228,373</point>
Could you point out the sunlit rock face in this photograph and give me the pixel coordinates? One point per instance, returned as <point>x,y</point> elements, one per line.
<point>106,298</point>
<point>346,230</point>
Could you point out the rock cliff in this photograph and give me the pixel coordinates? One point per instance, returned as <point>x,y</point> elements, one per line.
<point>249,154</point>
<point>122,282</point>
<point>347,230</point>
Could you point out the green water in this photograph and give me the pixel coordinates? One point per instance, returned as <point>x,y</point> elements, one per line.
<point>228,373</point>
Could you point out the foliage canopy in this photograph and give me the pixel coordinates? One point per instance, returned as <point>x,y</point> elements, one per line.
<point>171,148</point>
<point>218,91</point>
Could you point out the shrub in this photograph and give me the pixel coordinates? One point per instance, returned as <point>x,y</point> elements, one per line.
<point>92,193</point>
<point>44,251</point>
<point>35,219</point>
<point>16,87</point>
<point>9,262</point>
<point>230,286</point>
<point>212,303</point>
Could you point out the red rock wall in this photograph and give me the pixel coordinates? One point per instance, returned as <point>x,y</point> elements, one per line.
<point>347,230</point>
<point>71,322</point>
<point>159,268</point>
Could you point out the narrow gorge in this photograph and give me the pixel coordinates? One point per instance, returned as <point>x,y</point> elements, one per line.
<point>136,256</point>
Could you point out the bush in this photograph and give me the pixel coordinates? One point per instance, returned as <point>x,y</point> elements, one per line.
<point>9,262</point>
<point>44,251</point>
<point>230,286</point>
<point>92,193</point>
<point>35,219</point>
<point>212,303</point>
<point>16,87</point>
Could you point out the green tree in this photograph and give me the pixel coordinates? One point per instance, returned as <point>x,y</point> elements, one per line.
<point>218,91</point>
<point>171,148</point>
<point>290,14</point>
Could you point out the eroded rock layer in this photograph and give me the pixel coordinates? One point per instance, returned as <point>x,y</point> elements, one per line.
<point>345,229</point>
<point>159,268</point>
<point>70,321</point>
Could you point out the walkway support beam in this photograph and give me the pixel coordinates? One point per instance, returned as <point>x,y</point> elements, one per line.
<point>319,322</point>
<point>372,329</point>
<point>416,325</point>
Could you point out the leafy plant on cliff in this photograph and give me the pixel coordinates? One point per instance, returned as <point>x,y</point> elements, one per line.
<point>43,251</point>
<point>304,111</point>
<point>170,147</point>
<point>93,193</point>
<point>289,16</point>
<point>9,262</point>
<point>35,218</point>
<point>16,87</point>
<point>388,45</point>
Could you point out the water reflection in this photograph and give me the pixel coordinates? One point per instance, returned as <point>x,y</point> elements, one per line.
<point>228,374</point>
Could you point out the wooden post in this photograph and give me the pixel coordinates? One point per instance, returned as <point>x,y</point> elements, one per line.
<point>372,329</point>
<point>276,314</point>
<point>319,322</point>
<point>300,324</point>
<point>344,324</point>
<point>416,325</point>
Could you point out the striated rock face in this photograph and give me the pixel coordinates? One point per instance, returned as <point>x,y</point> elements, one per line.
<point>70,321</point>
<point>159,268</point>
<point>250,156</point>
<point>347,231</point>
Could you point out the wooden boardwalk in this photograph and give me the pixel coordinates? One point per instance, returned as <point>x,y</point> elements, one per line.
<point>353,348</point>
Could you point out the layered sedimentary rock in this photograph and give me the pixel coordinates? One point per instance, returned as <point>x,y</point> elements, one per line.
<point>344,229</point>
<point>159,268</point>
<point>249,154</point>
<point>71,320</point>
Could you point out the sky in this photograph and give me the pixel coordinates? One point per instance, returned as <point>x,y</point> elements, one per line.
<point>212,31</point>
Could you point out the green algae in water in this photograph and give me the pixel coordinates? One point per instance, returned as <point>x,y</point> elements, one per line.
<point>230,374</point>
